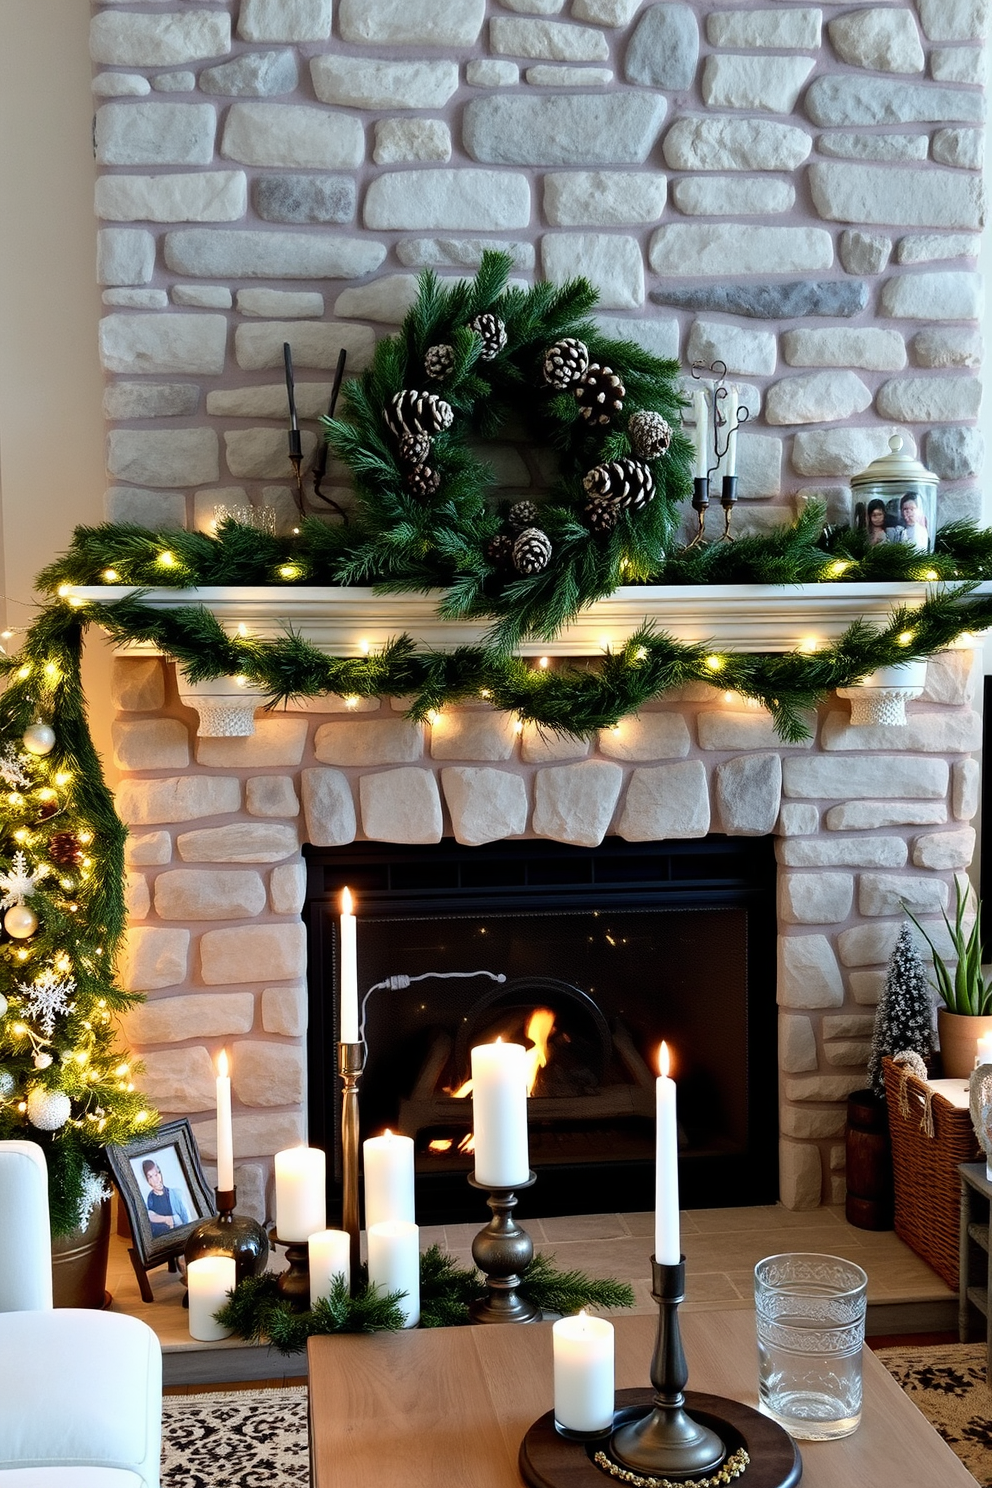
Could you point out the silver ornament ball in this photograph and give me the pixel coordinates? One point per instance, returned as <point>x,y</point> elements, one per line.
<point>7,1084</point>
<point>20,921</point>
<point>39,737</point>
<point>4,1004</point>
<point>48,1110</point>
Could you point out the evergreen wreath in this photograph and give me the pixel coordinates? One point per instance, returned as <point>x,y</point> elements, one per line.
<point>468,360</point>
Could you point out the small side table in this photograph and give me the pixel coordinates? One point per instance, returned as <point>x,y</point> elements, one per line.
<point>975,1285</point>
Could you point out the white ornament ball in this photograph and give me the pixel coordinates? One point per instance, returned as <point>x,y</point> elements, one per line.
<point>4,1004</point>
<point>20,921</point>
<point>48,1110</point>
<point>39,737</point>
<point>7,1084</point>
<point>42,1061</point>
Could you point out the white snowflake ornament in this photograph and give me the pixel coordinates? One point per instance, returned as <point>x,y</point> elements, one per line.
<point>14,770</point>
<point>95,1190</point>
<point>20,883</point>
<point>47,997</point>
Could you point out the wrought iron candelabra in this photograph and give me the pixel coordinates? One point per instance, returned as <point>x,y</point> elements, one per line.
<point>725,424</point>
<point>318,465</point>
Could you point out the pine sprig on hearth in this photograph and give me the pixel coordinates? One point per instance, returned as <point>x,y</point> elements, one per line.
<point>568,1291</point>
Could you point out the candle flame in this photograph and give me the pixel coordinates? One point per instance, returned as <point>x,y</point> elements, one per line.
<point>222,1066</point>
<point>664,1061</point>
<point>347,903</point>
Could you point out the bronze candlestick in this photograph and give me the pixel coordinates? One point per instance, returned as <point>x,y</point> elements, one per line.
<point>502,1251</point>
<point>351,1063</point>
<point>667,1441</point>
<point>294,1283</point>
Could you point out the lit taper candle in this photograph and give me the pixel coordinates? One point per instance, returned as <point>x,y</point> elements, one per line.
<point>349,971</point>
<point>225,1134</point>
<point>667,1241</point>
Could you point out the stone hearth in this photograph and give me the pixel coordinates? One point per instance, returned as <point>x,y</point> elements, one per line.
<point>866,818</point>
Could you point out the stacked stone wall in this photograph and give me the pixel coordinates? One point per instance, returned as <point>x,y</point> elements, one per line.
<point>866,819</point>
<point>794,189</point>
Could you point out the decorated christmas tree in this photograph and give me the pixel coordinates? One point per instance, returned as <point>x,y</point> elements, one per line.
<point>903,1018</point>
<point>64,1081</point>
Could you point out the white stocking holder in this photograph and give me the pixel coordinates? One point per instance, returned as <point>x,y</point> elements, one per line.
<point>226,706</point>
<point>881,697</point>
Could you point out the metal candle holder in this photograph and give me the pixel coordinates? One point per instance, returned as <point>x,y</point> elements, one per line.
<point>230,1234</point>
<point>667,1441</point>
<point>351,1064</point>
<point>318,465</point>
<point>502,1251</point>
<point>722,431</point>
<point>293,1284</point>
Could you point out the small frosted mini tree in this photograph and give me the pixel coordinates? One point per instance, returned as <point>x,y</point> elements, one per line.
<point>904,1016</point>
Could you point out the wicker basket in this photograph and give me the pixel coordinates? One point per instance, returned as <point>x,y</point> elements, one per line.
<point>925,1169</point>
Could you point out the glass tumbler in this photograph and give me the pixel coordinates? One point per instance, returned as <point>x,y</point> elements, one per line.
<point>811,1328</point>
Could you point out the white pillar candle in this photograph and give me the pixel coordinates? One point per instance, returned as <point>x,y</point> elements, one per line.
<point>667,1243</point>
<point>301,1206</point>
<point>388,1178</point>
<point>731,417</point>
<point>583,1352</point>
<point>702,434</point>
<point>394,1264</point>
<point>225,1135</point>
<point>209,1280</point>
<point>349,972</point>
<point>499,1114</point>
<point>330,1256</point>
<point>984,1049</point>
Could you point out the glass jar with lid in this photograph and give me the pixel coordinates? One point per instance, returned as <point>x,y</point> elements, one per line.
<point>895,500</point>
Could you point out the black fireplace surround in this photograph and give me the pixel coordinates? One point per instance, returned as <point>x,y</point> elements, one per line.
<point>625,944</point>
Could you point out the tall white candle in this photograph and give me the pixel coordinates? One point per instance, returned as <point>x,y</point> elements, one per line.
<point>499,1114</point>
<point>209,1280</point>
<point>983,1053</point>
<point>301,1206</point>
<point>702,434</point>
<point>583,1353</point>
<point>731,417</point>
<point>388,1178</point>
<point>349,971</point>
<point>667,1242</point>
<point>394,1264</point>
<point>225,1135</point>
<point>330,1256</point>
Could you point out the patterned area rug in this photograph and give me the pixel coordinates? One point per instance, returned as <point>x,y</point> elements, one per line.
<point>236,1439</point>
<point>947,1383</point>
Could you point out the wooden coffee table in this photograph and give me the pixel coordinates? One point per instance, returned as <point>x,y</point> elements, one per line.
<point>448,1407</point>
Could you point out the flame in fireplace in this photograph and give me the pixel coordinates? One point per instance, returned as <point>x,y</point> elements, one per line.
<point>540,1026</point>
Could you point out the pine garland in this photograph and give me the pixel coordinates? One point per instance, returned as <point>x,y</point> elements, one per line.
<point>255,1311</point>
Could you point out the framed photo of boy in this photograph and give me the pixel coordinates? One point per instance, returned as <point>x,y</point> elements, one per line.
<point>164,1192</point>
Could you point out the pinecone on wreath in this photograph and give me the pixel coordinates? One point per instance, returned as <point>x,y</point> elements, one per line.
<point>629,483</point>
<point>414,448</point>
<point>565,362</point>
<point>412,412</point>
<point>491,332</point>
<point>600,394</point>
<point>439,362</point>
<point>65,849</point>
<point>602,513</point>
<point>522,514</point>
<point>531,551</point>
<point>499,550</point>
<point>650,434</point>
<point>423,480</point>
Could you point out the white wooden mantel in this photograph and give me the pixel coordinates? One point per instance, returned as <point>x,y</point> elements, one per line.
<point>353,621</point>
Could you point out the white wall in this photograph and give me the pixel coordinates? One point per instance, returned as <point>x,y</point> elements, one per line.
<point>51,425</point>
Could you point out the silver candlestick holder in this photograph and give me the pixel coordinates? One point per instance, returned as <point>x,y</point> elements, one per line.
<point>503,1251</point>
<point>351,1065</point>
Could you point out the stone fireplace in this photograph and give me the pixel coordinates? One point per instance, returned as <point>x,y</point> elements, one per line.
<point>864,819</point>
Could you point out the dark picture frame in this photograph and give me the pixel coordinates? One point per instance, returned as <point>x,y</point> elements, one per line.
<point>162,1210</point>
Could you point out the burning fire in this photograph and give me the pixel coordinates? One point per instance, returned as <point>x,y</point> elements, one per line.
<point>540,1026</point>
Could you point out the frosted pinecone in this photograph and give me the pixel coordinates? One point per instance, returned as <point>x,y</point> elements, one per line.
<point>414,448</point>
<point>531,551</point>
<point>627,482</point>
<point>565,362</point>
<point>411,412</point>
<point>522,514</point>
<point>423,480</point>
<point>499,550</point>
<point>492,333</point>
<point>650,434</point>
<point>602,513</point>
<point>600,394</point>
<point>439,362</point>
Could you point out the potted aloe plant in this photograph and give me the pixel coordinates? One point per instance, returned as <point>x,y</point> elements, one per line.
<point>966,995</point>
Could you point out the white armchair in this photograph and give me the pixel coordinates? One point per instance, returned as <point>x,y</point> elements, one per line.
<point>80,1391</point>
